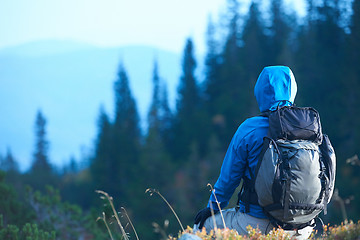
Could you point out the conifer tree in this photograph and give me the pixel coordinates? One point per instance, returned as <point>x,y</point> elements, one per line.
<point>188,89</point>
<point>319,55</point>
<point>117,148</point>
<point>213,87</point>
<point>355,23</point>
<point>156,161</point>
<point>348,130</point>
<point>154,120</point>
<point>159,115</point>
<point>254,40</point>
<point>323,78</point>
<point>41,172</point>
<point>102,166</point>
<point>231,49</point>
<point>282,28</point>
<point>126,139</point>
<point>187,106</point>
<point>126,114</point>
<point>166,119</point>
<point>352,84</point>
<point>212,81</point>
<point>227,113</point>
<point>41,161</point>
<point>254,57</point>
<point>231,53</point>
<point>8,163</point>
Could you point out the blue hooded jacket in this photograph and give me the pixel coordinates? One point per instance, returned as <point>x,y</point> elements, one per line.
<point>274,85</point>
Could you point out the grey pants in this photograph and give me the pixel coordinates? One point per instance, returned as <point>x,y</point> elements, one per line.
<point>238,221</point>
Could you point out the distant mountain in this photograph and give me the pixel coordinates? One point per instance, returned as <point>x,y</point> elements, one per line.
<point>43,48</point>
<point>69,82</point>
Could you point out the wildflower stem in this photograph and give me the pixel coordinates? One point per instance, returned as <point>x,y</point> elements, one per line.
<point>213,216</point>
<point>218,204</point>
<point>107,226</point>
<point>115,213</point>
<point>127,216</point>
<point>151,191</point>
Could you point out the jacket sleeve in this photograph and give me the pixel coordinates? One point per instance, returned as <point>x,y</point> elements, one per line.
<point>232,171</point>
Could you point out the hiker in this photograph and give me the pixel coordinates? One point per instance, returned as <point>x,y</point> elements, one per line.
<point>274,89</point>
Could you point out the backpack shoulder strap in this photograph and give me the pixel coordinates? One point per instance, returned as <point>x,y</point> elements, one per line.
<point>265,114</point>
<point>248,194</point>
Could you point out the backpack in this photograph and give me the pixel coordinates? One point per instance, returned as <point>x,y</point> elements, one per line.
<point>295,175</point>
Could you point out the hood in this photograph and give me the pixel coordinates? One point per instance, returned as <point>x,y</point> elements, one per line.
<point>275,86</point>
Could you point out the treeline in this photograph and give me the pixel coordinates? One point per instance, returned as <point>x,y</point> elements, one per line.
<point>182,148</point>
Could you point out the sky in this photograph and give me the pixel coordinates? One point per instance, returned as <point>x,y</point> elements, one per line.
<point>108,23</point>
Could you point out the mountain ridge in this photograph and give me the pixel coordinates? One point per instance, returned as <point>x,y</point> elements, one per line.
<point>51,47</point>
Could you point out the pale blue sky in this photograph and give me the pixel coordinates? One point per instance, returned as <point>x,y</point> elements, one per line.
<point>160,23</point>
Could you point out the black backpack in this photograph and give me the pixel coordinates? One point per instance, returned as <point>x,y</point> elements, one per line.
<point>295,175</point>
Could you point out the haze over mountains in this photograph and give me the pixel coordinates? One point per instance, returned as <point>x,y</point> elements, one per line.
<point>69,82</point>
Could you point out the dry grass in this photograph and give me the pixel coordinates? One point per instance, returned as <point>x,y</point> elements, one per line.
<point>347,230</point>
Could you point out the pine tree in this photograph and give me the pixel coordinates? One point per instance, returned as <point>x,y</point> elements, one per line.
<point>8,163</point>
<point>41,161</point>
<point>227,114</point>
<point>154,120</point>
<point>188,89</point>
<point>160,117</point>
<point>187,106</point>
<point>126,115</point>
<point>166,119</point>
<point>125,147</point>
<point>254,41</point>
<point>254,57</point>
<point>319,55</point>
<point>155,159</point>
<point>155,167</point>
<point>355,24</point>
<point>116,158</point>
<point>102,166</point>
<point>11,167</point>
<point>353,79</point>
<point>231,53</point>
<point>282,29</point>
<point>323,80</point>
<point>212,79</point>
<point>231,49</point>
<point>349,129</point>
<point>41,172</point>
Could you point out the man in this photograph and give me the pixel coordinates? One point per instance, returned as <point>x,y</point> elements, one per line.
<point>275,86</point>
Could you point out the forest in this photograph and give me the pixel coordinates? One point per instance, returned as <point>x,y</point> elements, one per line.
<point>181,149</point>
